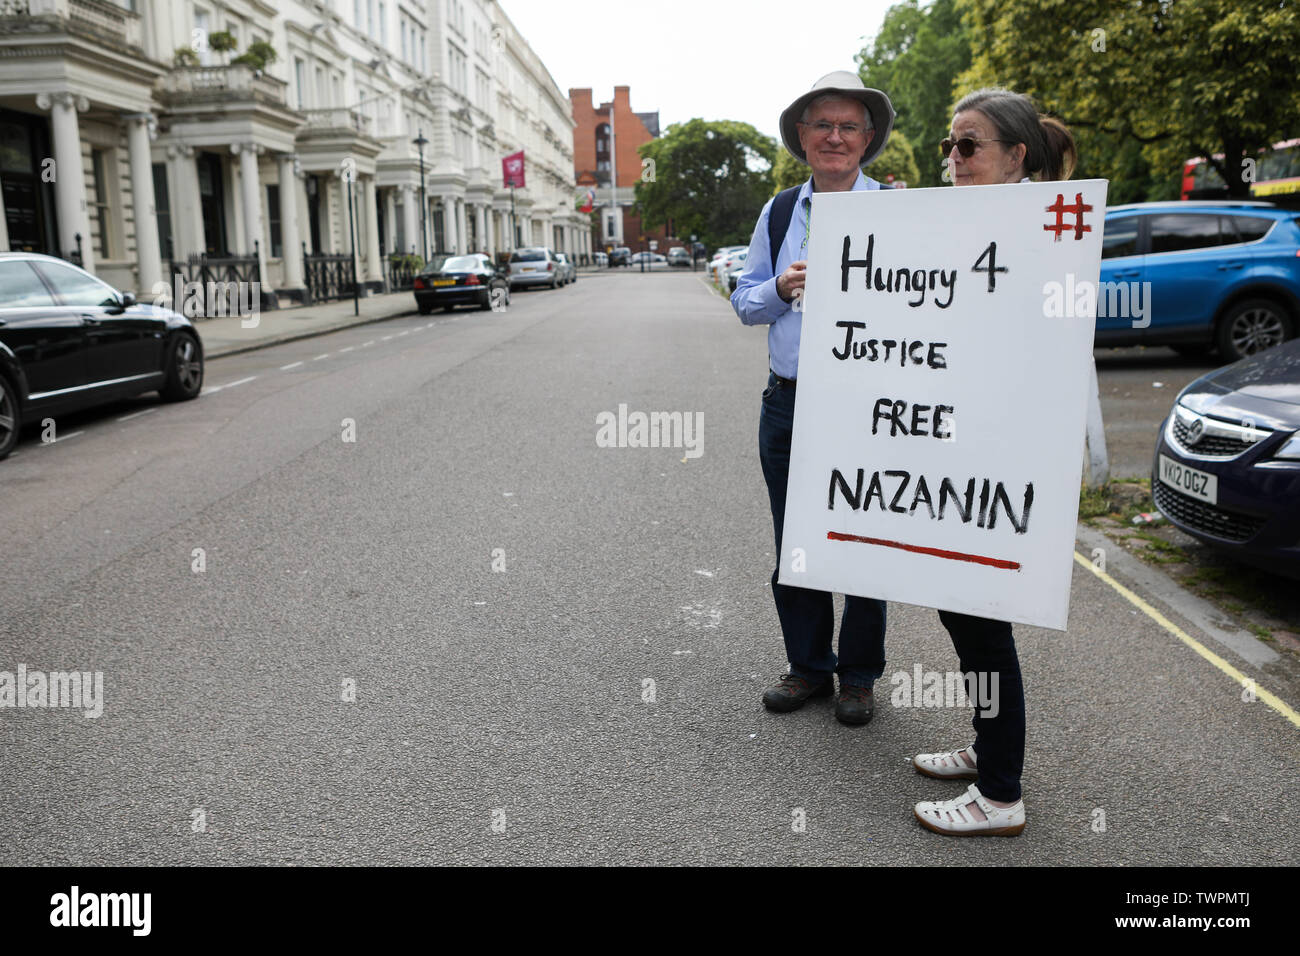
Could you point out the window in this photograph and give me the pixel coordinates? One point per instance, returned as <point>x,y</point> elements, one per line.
<point>356,14</point>
<point>100,213</point>
<point>423,65</point>
<point>300,79</point>
<point>1250,228</point>
<point>406,55</point>
<point>201,35</point>
<point>322,97</point>
<point>1121,237</point>
<point>1179,232</point>
<point>20,287</point>
<point>162,206</point>
<point>370,17</point>
<point>273,218</point>
<point>77,288</point>
<point>383,32</point>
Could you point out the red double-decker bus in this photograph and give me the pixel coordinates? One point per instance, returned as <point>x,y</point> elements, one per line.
<point>1277,176</point>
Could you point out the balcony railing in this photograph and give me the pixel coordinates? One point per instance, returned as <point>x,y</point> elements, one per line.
<point>236,81</point>
<point>338,118</point>
<point>98,19</point>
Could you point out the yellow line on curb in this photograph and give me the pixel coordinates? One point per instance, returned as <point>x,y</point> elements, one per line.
<point>1271,699</point>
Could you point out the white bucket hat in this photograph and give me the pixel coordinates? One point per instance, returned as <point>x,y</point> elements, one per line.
<point>849,85</point>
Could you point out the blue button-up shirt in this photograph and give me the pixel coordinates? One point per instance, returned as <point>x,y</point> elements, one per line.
<point>755,299</point>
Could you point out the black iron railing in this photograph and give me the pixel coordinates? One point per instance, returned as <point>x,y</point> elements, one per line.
<point>399,272</point>
<point>226,283</point>
<point>328,275</point>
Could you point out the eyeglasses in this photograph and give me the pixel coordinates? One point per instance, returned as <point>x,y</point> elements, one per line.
<point>966,145</point>
<point>847,130</point>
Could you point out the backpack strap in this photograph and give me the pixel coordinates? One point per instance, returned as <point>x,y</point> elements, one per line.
<point>778,220</point>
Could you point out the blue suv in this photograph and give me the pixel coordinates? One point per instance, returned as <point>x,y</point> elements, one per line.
<point>1200,275</point>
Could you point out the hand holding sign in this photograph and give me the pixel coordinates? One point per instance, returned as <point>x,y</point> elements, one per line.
<point>916,333</point>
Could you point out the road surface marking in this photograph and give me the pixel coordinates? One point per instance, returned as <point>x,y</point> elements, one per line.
<point>127,418</point>
<point>319,357</point>
<point>55,441</point>
<point>285,368</point>
<point>400,334</point>
<point>385,338</point>
<point>365,344</point>
<point>348,349</point>
<point>1271,699</point>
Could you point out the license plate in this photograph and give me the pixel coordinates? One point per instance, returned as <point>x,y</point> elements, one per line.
<point>1190,481</point>
<point>530,269</point>
<point>444,281</point>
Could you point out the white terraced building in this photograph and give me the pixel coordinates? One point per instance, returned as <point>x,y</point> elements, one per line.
<point>181,146</point>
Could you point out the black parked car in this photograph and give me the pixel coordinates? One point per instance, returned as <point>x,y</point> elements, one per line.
<point>449,281</point>
<point>1227,462</point>
<point>68,341</point>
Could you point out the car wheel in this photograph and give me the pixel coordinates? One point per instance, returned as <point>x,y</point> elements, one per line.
<point>11,422</point>
<point>486,304</point>
<point>555,283</point>
<point>423,309</point>
<point>184,369</point>
<point>1251,326</point>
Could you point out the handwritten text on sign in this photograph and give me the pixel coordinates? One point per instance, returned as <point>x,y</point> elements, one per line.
<point>939,420</point>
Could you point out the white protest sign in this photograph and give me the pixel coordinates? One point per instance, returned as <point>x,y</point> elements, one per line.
<point>943,372</point>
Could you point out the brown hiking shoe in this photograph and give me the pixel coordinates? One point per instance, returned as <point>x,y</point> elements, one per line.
<point>793,692</point>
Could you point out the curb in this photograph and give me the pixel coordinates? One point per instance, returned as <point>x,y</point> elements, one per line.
<point>225,351</point>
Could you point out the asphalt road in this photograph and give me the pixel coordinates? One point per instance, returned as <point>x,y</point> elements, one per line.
<point>501,716</point>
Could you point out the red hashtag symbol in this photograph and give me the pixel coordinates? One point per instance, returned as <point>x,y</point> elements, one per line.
<point>1077,210</point>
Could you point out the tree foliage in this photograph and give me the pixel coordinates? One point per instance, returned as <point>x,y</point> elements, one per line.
<point>711,178</point>
<point>915,59</point>
<point>1164,78</point>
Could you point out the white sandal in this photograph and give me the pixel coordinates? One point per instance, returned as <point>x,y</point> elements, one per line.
<point>952,818</point>
<point>947,766</point>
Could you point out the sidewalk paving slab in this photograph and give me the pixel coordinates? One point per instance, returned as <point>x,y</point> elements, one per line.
<point>227,335</point>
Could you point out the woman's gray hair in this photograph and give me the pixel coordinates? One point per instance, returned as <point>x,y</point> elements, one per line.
<point>1050,152</point>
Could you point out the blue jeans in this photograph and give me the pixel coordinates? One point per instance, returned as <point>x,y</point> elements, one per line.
<point>807,616</point>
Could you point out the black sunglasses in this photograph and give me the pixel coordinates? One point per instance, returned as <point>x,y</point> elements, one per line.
<point>966,145</point>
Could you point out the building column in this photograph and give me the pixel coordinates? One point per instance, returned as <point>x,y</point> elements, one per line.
<point>70,206</point>
<point>449,223</point>
<point>249,189</point>
<point>480,227</point>
<point>374,268</point>
<point>187,217</point>
<point>489,225</point>
<point>462,233</point>
<point>147,251</point>
<point>290,244</point>
<point>390,221</point>
<point>411,228</point>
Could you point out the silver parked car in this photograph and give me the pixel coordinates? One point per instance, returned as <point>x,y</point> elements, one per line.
<point>569,272</point>
<point>534,265</point>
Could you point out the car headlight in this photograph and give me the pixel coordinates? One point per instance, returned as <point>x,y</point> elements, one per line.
<point>1291,450</point>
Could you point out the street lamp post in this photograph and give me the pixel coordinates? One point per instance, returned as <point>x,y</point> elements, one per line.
<point>352,233</point>
<point>420,143</point>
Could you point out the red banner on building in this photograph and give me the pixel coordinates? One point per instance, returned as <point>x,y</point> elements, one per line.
<point>512,169</point>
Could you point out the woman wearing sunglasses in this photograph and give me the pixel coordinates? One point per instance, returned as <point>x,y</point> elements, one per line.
<point>997,137</point>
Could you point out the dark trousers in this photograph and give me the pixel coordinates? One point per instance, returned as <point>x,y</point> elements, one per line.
<point>987,647</point>
<point>807,616</point>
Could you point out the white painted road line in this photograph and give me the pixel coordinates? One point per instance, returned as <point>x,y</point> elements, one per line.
<point>55,441</point>
<point>385,338</point>
<point>365,344</point>
<point>285,368</point>
<point>127,418</point>
<point>319,357</point>
<point>217,388</point>
<point>348,349</point>
<point>400,334</point>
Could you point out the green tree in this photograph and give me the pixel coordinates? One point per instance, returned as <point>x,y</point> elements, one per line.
<point>897,160</point>
<point>915,59</point>
<point>1173,79</point>
<point>710,178</point>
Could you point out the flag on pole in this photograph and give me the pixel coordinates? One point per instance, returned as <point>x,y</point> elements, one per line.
<point>587,200</point>
<point>512,169</point>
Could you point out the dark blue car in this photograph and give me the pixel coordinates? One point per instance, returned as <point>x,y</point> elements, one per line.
<point>1200,275</point>
<point>1227,463</point>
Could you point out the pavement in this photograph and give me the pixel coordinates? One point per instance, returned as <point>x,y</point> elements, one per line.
<point>381,598</point>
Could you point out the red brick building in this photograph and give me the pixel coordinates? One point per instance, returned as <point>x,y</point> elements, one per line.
<point>594,164</point>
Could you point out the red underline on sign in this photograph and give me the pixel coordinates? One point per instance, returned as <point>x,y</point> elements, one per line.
<point>936,552</point>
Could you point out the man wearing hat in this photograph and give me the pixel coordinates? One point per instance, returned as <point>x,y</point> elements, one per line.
<point>836,128</point>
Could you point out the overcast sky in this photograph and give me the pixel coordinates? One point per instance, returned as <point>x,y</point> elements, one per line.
<point>716,59</point>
